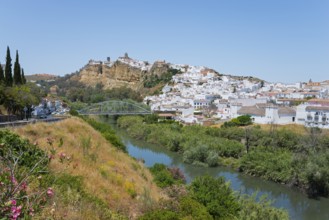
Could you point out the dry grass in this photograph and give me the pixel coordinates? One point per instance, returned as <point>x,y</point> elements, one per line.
<point>108,173</point>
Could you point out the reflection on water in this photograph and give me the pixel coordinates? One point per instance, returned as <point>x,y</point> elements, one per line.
<point>298,205</point>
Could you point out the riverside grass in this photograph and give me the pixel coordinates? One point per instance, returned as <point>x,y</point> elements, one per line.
<point>108,175</point>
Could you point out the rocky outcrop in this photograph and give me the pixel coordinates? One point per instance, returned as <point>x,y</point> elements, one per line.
<point>117,75</point>
<point>125,72</point>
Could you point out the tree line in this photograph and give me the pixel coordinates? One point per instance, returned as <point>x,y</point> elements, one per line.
<point>6,75</point>
<point>15,93</point>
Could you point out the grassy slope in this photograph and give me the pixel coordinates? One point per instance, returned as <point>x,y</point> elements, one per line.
<point>111,175</point>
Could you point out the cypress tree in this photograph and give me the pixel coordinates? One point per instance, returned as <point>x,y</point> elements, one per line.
<point>23,77</point>
<point>2,77</point>
<point>17,71</point>
<point>8,70</point>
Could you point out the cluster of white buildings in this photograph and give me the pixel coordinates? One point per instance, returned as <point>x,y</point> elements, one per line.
<point>200,94</point>
<point>47,107</point>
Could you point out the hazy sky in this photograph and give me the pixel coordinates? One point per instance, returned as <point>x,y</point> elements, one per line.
<point>276,40</point>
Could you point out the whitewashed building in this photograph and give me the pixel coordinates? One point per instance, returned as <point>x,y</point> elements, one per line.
<point>267,114</point>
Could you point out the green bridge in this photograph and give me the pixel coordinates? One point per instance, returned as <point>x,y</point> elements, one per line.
<point>114,108</point>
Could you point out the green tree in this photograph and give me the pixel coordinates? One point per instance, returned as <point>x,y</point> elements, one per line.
<point>216,196</point>
<point>2,76</point>
<point>23,77</point>
<point>8,70</point>
<point>17,71</point>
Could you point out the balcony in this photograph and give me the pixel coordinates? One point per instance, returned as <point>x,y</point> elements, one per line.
<point>309,118</point>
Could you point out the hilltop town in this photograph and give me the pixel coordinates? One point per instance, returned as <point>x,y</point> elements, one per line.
<point>198,95</point>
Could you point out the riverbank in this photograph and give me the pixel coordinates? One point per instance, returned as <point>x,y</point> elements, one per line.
<point>279,155</point>
<point>299,206</point>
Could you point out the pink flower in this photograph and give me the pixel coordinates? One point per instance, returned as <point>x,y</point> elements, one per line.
<point>15,212</point>
<point>50,192</point>
<point>24,186</point>
<point>13,202</point>
<point>51,156</point>
<point>13,180</point>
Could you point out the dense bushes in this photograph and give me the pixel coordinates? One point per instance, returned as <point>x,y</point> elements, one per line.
<point>165,177</point>
<point>280,155</point>
<point>216,196</point>
<point>269,163</point>
<point>22,165</point>
<point>208,198</point>
<point>242,120</point>
<point>198,144</point>
<point>153,80</point>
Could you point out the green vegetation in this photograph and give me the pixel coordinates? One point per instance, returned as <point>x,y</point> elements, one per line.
<point>76,91</point>
<point>153,80</point>
<point>8,70</point>
<point>21,164</point>
<point>165,177</point>
<point>15,98</point>
<point>277,154</point>
<point>242,120</point>
<point>208,198</point>
<point>15,94</point>
<point>107,132</point>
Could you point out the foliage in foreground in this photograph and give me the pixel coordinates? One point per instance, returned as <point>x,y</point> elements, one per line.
<point>209,198</point>
<point>22,165</point>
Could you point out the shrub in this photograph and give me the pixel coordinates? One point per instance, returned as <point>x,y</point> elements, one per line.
<point>215,195</point>
<point>160,215</point>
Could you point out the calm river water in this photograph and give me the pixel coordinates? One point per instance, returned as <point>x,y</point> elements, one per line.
<point>298,205</point>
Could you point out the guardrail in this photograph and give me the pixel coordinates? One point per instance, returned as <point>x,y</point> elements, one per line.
<point>31,121</point>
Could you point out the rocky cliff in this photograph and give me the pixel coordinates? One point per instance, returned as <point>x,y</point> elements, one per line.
<point>124,72</point>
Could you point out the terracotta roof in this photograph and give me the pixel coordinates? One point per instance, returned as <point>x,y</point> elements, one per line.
<point>317,108</point>
<point>251,110</point>
<point>259,110</point>
<point>319,100</point>
<point>286,111</point>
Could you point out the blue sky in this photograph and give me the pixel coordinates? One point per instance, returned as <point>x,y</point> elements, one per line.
<point>276,40</point>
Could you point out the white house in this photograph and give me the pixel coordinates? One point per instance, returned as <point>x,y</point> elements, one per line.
<point>268,114</point>
<point>313,116</point>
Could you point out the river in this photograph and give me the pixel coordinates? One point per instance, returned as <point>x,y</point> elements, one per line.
<point>298,205</point>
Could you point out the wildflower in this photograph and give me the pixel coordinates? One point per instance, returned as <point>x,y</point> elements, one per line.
<point>13,180</point>
<point>51,156</point>
<point>24,186</point>
<point>50,192</point>
<point>13,202</point>
<point>62,157</point>
<point>31,213</point>
<point>15,212</point>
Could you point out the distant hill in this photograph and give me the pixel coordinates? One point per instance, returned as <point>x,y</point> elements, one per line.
<point>41,76</point>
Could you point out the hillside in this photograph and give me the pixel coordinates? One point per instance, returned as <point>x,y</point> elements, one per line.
<point>108,174</point>
<point>41,76</point>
